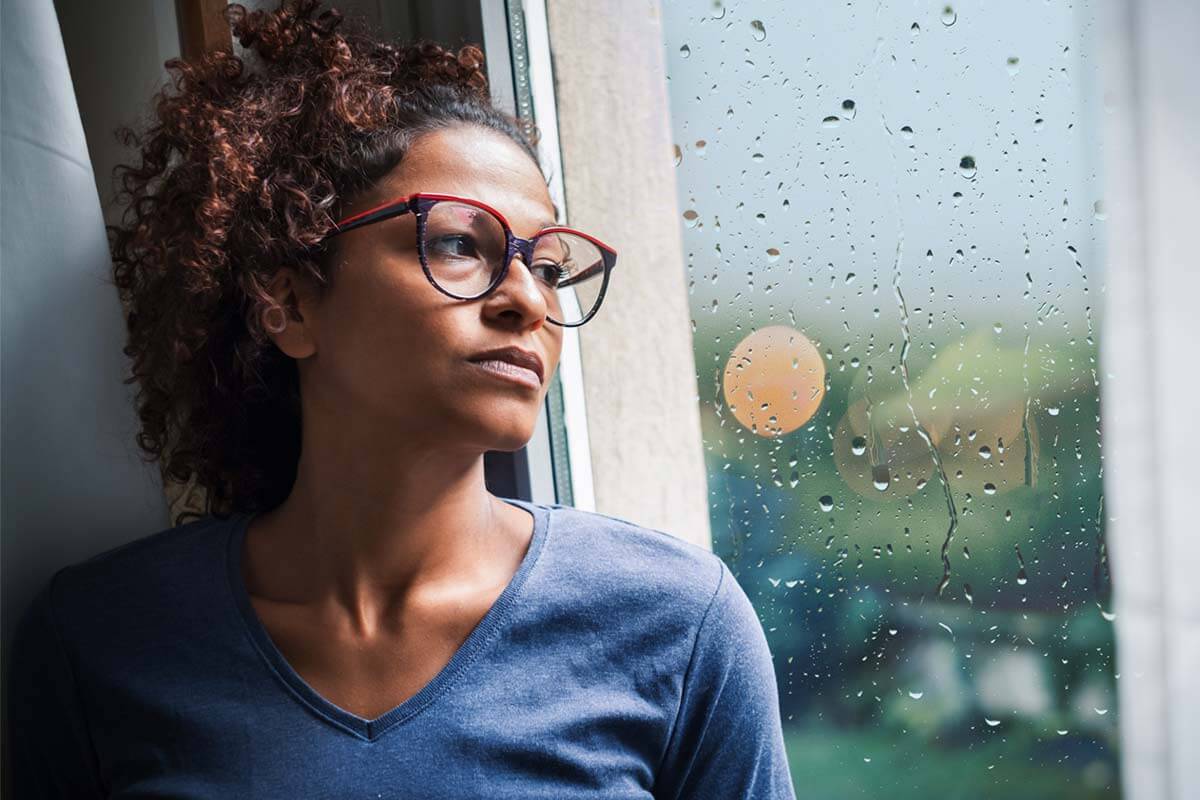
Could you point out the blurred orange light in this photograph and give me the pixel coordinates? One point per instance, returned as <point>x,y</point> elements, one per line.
<point>774,381</point>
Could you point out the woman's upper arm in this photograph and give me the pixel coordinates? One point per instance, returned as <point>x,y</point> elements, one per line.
<point>728,737</point>
<point>50,746</point>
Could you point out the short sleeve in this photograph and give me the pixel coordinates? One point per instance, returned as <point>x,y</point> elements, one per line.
<point>51,750</point>
<point>728,737</point>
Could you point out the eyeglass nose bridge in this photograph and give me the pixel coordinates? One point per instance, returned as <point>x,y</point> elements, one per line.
<point>523,247</point>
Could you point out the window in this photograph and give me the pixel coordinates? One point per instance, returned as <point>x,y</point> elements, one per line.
<point>894,224</point>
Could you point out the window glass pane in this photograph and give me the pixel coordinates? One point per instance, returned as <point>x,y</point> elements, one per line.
<point>893,221</point>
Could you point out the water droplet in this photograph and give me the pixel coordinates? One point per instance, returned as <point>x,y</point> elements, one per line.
<point>848,109</point>
<point>757,156</point>
<point>826,503</point>
<point>997,327</point>
<point>772,255</point>
<point>760,30</point>
<point>685,51</point>
<point>1108,615</point>
<point>968,593</point>
<point>1014,65</point>
<point>678,155</point>
<point>949,16</point>
<point>966,167</point>
<point>1052,411</point>
<point>989,488</point>
<point>985,452</point>
<point>858,445</point>
<point>916,695</point>
<point>831,122</point>
<point>991,722</point>
<point>1098,210</point>
<point>914,29</point>
<point>762,218</point>
<point>906,132</point>
<point>1101,711</point>
<point>1022,578</point>
<point>691,217</point>
<point>700,146</point>
<point>880,477</point>
<point>1038,124</point>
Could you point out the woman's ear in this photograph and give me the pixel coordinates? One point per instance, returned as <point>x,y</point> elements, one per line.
<point>291,322</point>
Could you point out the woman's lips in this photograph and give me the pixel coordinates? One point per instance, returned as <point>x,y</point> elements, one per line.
<point>510,372</point>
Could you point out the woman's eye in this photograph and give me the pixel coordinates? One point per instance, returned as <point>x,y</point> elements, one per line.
<point>552,272</point>
<point>455,245</point>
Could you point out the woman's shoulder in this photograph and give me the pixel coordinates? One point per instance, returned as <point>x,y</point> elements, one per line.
<point>604,551</point>
<point>139,575</point>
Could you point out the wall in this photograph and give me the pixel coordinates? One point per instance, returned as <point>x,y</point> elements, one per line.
<point>638,366</point>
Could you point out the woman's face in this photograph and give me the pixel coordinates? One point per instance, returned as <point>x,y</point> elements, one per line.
<point>390,349</point>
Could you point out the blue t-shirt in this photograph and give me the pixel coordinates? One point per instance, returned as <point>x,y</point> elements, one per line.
<point>619,662</point>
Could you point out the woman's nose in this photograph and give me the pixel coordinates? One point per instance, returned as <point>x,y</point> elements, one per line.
<point>520,288</point>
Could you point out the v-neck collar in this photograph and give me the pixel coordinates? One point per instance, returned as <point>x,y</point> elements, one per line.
<point>371,729</point>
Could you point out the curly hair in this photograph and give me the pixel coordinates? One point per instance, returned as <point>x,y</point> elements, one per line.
<point>242,171</point>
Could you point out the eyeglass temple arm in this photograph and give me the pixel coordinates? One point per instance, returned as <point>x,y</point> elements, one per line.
<point>403,206</point>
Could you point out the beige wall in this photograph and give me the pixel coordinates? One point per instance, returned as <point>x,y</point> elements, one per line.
<point>639,370</point>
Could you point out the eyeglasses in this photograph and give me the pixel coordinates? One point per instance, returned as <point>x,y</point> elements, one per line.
<point>466,247</point>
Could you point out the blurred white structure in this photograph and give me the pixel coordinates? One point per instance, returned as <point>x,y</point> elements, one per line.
<point>1151,434</point>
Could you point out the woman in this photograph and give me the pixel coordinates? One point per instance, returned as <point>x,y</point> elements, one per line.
<point>344,284</point>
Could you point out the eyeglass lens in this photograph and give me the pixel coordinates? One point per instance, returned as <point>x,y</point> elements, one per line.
<point>464,250</point>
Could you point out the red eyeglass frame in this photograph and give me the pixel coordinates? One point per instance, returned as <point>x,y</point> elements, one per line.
<point>419,203</point>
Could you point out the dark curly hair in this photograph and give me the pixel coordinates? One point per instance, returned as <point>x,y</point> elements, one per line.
<point>243,171</point>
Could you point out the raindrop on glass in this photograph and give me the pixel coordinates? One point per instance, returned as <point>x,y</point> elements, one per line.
<point>858,445</point>
<point>949,16</point>
<point>1013,64</point>
<point>826,503</point>
<point>966,167</point>
<point>880,477</point>
<point>685,51</point>
<point>760,30</point>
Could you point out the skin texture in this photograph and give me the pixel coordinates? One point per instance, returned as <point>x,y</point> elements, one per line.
<point>389,549</point>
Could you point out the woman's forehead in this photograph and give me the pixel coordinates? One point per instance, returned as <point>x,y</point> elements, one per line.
<point>477,163</point>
